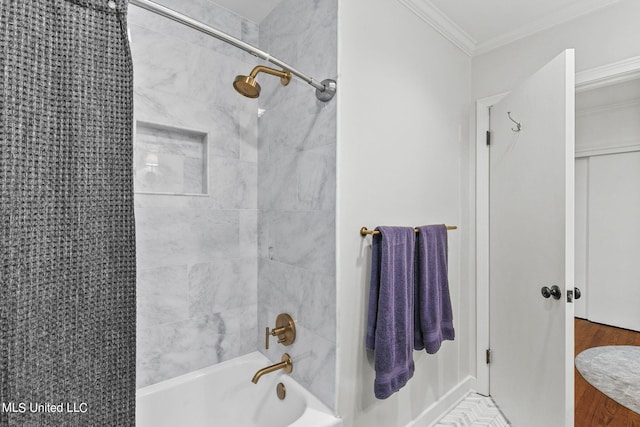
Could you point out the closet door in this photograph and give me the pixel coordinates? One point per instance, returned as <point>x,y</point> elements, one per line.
<point>614,240</point>
<point>582,218</point>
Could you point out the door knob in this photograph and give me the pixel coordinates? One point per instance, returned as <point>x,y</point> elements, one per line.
<point>576,293</point>
<point>554,292</point>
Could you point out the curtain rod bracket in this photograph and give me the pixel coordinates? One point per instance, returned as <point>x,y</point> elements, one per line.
<point>329,91</point>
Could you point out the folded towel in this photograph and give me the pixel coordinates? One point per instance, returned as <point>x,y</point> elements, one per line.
<point>433,315</point>
<point>390,319</point>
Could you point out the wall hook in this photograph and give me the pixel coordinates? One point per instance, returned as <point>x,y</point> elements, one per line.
<point>519,126</point>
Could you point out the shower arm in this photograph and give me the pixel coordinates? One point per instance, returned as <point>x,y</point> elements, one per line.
<point>284,75</point>
<point>325,90</point>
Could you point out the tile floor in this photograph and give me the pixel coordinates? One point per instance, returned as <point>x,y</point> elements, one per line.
<point>474,411</point>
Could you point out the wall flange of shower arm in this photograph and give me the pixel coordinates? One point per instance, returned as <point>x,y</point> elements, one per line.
<point>325,90</point>
<point>330,88</point>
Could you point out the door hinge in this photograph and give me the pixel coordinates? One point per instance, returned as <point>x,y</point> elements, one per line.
<point>488,356</point>
<point>488,137</point>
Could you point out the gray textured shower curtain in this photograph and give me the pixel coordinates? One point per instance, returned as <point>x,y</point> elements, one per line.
<point>67,278</point>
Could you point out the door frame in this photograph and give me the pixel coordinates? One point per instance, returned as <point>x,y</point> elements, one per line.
<point>617,72</point>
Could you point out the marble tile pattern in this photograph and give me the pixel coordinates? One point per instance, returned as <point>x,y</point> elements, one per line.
<point>297,192</point>
<point>474,410</point>
<point>169,160</point>
<point>196,255</point>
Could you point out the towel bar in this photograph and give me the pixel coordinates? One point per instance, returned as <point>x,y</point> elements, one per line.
<point>364,230</point>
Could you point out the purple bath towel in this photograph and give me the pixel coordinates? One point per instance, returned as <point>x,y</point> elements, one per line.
<point>433,315</point>
<point>390,319</point>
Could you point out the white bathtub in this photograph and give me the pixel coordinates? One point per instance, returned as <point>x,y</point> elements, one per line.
<point>223,395</point>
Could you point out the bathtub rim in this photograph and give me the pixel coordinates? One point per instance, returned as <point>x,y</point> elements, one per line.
<point>255,356</point>
<point>312,401</point>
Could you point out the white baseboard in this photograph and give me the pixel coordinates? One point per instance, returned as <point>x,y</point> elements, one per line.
<point>436,410</point>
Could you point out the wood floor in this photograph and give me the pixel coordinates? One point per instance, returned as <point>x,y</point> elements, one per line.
<point>593,408</point>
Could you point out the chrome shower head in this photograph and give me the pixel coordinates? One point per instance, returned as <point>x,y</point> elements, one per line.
<point>249,87</point>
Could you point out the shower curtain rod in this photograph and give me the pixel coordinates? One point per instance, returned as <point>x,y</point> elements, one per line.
<point>324,90</point>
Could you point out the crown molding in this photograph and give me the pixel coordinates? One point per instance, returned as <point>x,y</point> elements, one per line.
<point>433,16</point>
<point>608,108</point>
<point>558,17</point>
<point>616,72</point>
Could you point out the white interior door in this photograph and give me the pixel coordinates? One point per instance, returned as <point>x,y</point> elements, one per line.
<point>531,220</point>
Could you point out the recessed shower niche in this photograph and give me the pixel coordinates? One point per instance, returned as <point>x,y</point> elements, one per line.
<point>170,160</point>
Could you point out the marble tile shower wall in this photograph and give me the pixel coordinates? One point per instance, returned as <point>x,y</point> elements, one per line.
<point>197,266</point>
<point>297,192</point>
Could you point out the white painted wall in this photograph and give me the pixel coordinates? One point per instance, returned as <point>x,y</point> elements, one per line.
<point>402,159</point>
<point>608,35</point>
<point>607,119</point>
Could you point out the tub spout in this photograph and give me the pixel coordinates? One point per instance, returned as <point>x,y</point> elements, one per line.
<point>286,364</point>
